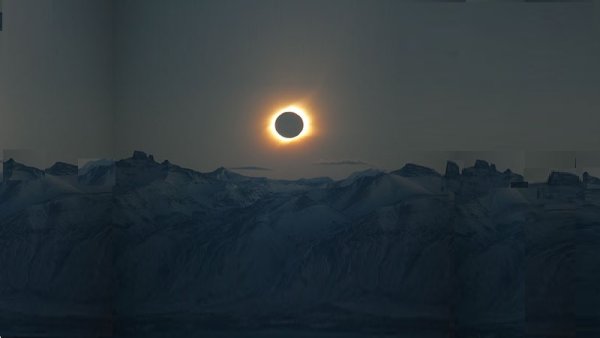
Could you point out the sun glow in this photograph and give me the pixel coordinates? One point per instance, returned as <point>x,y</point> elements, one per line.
<point>306,130</point>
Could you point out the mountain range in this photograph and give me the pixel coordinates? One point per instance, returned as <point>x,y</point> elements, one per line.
<point>141,248</point>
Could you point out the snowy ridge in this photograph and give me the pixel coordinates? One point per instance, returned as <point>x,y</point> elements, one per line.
<point>375,251</point>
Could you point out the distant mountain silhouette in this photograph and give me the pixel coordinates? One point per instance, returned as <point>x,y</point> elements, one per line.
<point>414,170</point>
<point>15,171</point>
<point>62,169</point>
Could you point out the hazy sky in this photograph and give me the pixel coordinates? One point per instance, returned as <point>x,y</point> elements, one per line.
<point>56,63</point>
<point>194,81</point>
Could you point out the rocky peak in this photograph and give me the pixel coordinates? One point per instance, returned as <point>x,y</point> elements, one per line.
<point>142,156</point>
<point>481,168</point>
<point>62,169</point>
<point>452,170</point>
<point>481,164</point>
<point>16,171</point>
<point>415,170</point>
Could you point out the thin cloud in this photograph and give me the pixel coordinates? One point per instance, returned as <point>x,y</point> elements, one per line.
<point>251,168</point>
<point>342,162</point>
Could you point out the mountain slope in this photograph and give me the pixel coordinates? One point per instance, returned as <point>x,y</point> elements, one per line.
<point>376,251</point>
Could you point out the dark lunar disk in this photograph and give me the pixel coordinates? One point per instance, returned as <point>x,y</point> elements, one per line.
<point>289,125</point>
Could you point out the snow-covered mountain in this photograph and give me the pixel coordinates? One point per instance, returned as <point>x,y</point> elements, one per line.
<point>15,171</point>
<point>62,169</point>
<point>168,248</point>
<point>98,173</point>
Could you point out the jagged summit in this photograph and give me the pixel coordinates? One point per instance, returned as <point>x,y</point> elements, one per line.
<point>480,167</point>
<point>141,156</point>
<point>481,164</point>
<point>141,168</point>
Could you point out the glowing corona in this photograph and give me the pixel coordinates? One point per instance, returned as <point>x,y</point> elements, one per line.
<point>306,131</point>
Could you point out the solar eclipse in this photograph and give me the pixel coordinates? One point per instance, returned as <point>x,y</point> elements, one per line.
<point>290,124</point>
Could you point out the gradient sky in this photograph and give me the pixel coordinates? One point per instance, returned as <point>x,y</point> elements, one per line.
<point>193,81</point>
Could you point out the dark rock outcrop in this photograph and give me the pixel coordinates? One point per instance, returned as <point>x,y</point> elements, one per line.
<point>452,170</point>
<point>481,164</point>
<point>479,179</point>
<point>139,155</point>
<point>558,178</point>
<point>415,170</point>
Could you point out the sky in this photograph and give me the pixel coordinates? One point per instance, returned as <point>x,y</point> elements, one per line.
<point>56,79</point>
<point>384,82</point>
